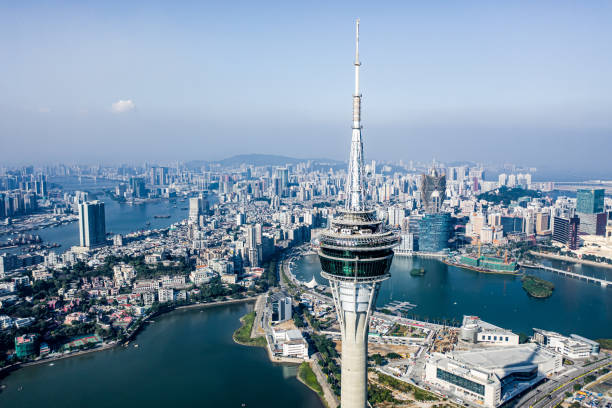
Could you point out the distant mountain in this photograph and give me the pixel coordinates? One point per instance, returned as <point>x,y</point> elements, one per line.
<point>258,160</point>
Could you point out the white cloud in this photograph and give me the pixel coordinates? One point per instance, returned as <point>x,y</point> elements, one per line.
<point>44,109</point>
<point>122,106</point>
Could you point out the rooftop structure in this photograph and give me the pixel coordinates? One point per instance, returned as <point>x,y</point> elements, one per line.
<point>356,254</point>
<point>475,330</point>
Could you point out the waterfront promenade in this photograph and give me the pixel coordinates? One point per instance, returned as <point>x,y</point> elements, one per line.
<point>570,259</point>
<point>602,282</point>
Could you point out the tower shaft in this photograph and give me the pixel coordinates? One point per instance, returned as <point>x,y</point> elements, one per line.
<point>356,253</point>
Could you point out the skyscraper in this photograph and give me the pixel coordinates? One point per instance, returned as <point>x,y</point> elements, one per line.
<point>590,209</point>
<point>356,253</point>
<point>590,201</point>
<point>92,224</point>
<point>433,190</point>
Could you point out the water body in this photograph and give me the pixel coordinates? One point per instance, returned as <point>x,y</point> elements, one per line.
<point>447,292</point>
<point>121,218</point>
<point>184,359</point>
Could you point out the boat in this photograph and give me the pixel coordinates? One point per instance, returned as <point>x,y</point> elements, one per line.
<point>417,272</point>
<point>161,216</point>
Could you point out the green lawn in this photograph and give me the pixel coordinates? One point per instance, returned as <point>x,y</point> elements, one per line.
<point>243,334</point>
<point>306,374</point>
<point>419,394</point>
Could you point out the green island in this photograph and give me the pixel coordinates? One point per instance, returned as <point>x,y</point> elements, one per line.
<point>308,377</point>
<point>537,287</point>
<point>242,335</point>
<point>417,272</point>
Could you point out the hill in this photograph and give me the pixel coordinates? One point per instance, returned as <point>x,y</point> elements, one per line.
<point>258,160</point>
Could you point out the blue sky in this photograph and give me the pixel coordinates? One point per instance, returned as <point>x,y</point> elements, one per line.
<point>525,82</point>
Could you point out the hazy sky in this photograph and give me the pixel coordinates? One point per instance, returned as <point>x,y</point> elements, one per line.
<point>525,81</point>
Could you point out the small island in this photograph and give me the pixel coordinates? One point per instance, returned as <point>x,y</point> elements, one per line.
<point>537,287</point>
<point>417,272</point>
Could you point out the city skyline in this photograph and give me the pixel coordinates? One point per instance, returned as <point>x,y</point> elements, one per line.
<point>117,82</point>
<point>175,197</point>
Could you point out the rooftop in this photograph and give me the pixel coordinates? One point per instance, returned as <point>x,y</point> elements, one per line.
<point>498,360</point>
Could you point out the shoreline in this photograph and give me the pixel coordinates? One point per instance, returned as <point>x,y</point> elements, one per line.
<point>5,371</point>
<point>571,259</point>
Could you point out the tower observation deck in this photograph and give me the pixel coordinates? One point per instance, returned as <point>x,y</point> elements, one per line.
<point>356,253</point>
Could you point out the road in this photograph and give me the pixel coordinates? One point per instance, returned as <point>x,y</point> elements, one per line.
<point>552,392</point>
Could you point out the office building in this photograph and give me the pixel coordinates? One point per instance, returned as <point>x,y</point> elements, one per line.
<point>355,253</point>
<point>281,307</point>
<point>92,224</point>
<point>511,224</point>
<point>574,347</point>
<point>590,201</point>
<point>434,232</point>
<point>593,224</point>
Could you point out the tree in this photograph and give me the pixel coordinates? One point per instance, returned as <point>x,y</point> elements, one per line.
<point>378,359</point>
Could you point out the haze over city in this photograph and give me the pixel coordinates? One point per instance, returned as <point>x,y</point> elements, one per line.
<point>112,82</point>
<point>271,205</point>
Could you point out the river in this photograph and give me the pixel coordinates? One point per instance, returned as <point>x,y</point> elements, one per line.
<point>121,218</point>
<point>186,358</point>
<point>447,292</point>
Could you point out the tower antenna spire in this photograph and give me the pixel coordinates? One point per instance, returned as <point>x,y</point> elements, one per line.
<point>357,63</point>
<point>355,183</point>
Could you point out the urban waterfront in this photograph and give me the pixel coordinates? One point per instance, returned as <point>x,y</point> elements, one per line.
<point>121,218</point>
<point>447,292</point>
<point>184,358</point>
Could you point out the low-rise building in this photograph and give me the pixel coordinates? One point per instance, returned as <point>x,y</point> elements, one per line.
<point>26,345</point>
<point>574,347</point>
<point>201,276</point>
<point>165,295</point>
<point>6,322</point>
<point>491,376</point>
<point>475,330</point>
<point>291,342</point>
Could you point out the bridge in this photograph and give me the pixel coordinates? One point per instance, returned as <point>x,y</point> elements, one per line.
<point>580,276</point>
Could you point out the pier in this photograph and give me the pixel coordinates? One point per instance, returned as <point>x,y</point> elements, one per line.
<point>604,283</point>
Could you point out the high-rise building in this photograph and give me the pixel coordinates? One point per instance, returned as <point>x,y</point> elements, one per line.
<point>281,178</point>
<point>198,206</point>
<point>137,185</point>
<point>434,232</point>
<point>590,201</point>
<point>356,253</point>
<point>565,231</point>
<point>593,224</point>
<point>433,190</point>
<point>92,224</point>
